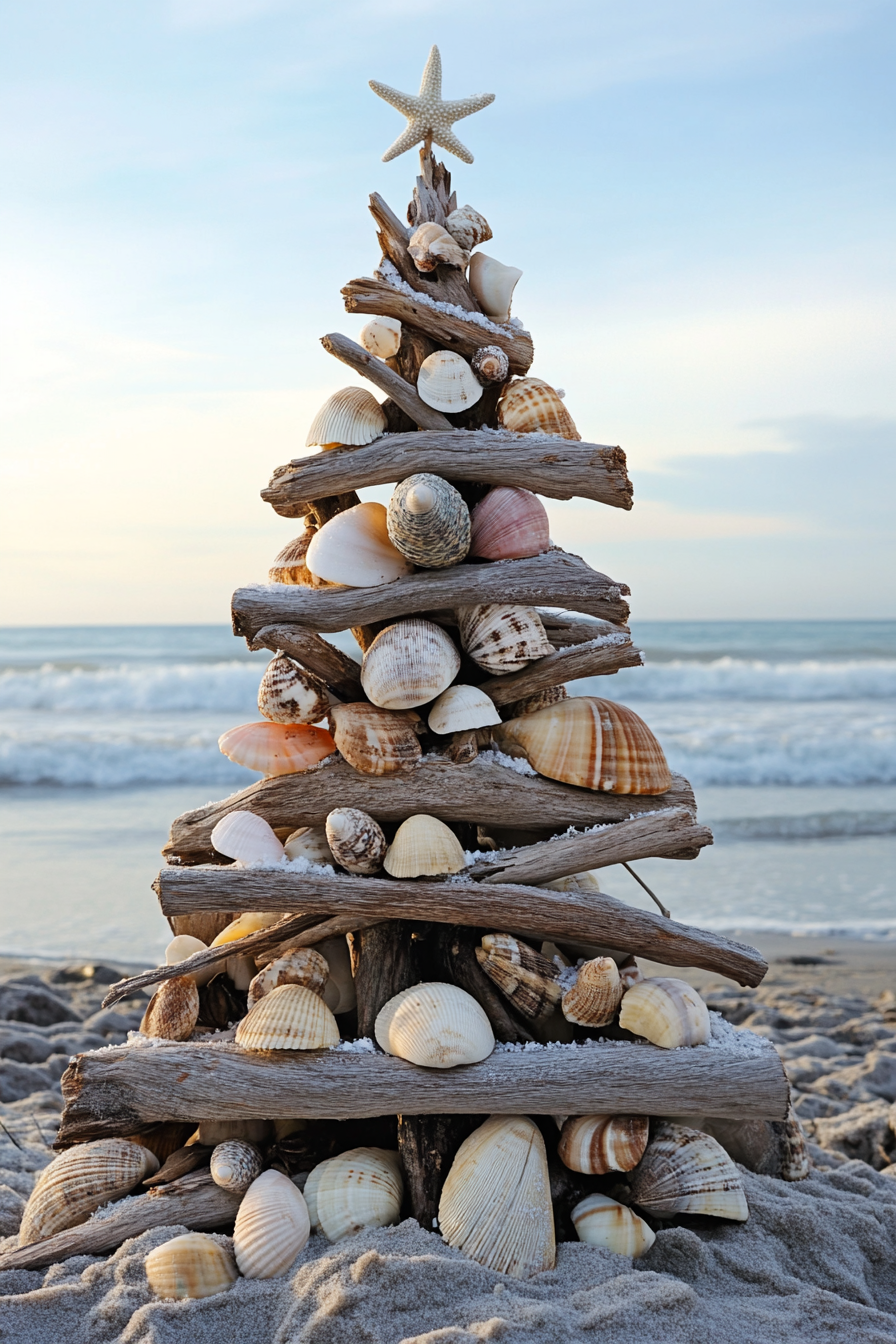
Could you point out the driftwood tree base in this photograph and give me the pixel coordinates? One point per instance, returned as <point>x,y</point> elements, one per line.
<point>384,962</point>
<point>428,1145</point>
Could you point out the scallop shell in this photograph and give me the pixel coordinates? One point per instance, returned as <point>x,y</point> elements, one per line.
<point>531,704</point>
<point>424,847</point>
<point>490,364</point>
<point>409,664</point>
<point>359,1189</point>
<point>235,1164</point>
<point>447,383</point>
<point>596,1144</point>
<point>493,284</point>
<point>339,992</point>
<point>193,1265</point>
<point>289,694</point>
<point>430,244</point>
<point>276,748</point>
<point>290,1017</point>
<point>356,840</point>
<point>436,1026</point>
<point>428,521</point>
<point>272,1226</point>
<point>502,638</point>
<point>79,1181</point>
<point>381,336</point>
<point>173,1011</point>
<point>352,416</point>
<point>532,406</point>
<point>376,741</point>
<point>247,837</point>
<point>685,1171</point>
<point>594,998</point>
<point>302,966</point>
<point>601,1221</point>
<point>310,1189</point>
<point>522,975</point>
<point>593,743</point>
<point>666,1012</point>
<point>289,566</point>
<point>183,946</point>
<point>309,842</point>
<point>509,523</point>
<point>468,226</point>
<point>461,708</point>
<point>496,1200</point>
<point>353,548</point>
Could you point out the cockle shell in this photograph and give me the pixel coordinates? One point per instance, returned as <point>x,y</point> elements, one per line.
<point>193,1265</point>
<point>594,743</point>
<point>493,284</point>
<point>303,966</point>
<point>461,708</point>
<point>173,1011</point>
<point>339,991</point>
<point>496,1200</point>
<point>381,336</point>
<point>594,998</point>
<point>290,1017</point>
<point>447,383</point>
<point>509,523</point>
<point>430,244</point>
<point>666,1012</point>
<point>184,946</point>
<point>246,837</point>
<point>289,565</point>
<point>490,364</point>
<point>309,842</point>
<point>353,548</point>
<point>531,704</point>
<point>502,638</point>
<point>356,840</point>
<point>601,1221</point>
<point>428,521</point>
<point>352,416</point>
<point>276,748</point>
<point>468,226</point>
<point>409,664</point>
<point>522,975</point>
<point>272,1226</point>
<point>81,1179</point>
<point>685,1171</point>
<point>424,847</point>
<point>436,1026</point>
<point>376,741</point>
<point>532,406</point>
<point>596,1144</point>
<point>235,1164</point>
<point>358,1189</point>
<point>289,694</point>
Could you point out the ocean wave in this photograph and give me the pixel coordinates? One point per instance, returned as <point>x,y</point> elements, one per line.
<point>810,826</point>
<point>131,688</point>
<point>80,761</point>
<point>749,679</point>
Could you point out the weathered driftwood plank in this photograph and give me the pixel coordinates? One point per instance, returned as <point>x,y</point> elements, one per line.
<point>563,628</point>
<point>598,658</point>
<point>446,284</point>
<point>341,673</point>
<point>378,373</point>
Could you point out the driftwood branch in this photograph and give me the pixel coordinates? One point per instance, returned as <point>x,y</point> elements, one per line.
<point>341,673</point>
<point>599,657</point>
<point>446,284</point>
<point>401,392</point>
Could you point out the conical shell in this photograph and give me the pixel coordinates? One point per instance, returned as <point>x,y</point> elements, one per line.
<point>173,1011</point>
<point>461,708</point>
<point>309,842</point>
<point>493,284</point>
<point>356,840</point>
<point>490,365</point>
<point>468,226</point>
<point>666,1012</point>
<point>79,1181</point>
<point>184,946</point>
<point>601,1221</point>
<point>502,638</point>
<point>353,548</point>
<point>381,336</point>
<point>532,406</point>
<point>409,664</point>
<point>522,975</point>
<point>496,1200</point>
<point>289,566</point>
<point>596,1144</point>
<point>509,523</point>
<point>428,521</point>
<point>593,743</point>
<point>276,748</point>
<point>235,1165</point>
<point>247,837</point>
<point>339,991</point>
<point>290,1017</point>
<point>289,694</point>
<point>685,1171</point>
<point>359,1189</point>
<point>594,998</point>
<point>376,741</point>
<point>303,966</point>
<point>430,244</point>
<point>436,1026</point>
<point>424,847</point>
<point>272,1226</point>
<point>352,416</point>
<point>447,383</point>
<point>193,1265</point>
<point>531,704</point>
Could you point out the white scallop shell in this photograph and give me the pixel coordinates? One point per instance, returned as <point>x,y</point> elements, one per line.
<point>447,383</point>
<point>352,416</point>
<point>193,1265</point>
<point>667,1012</point>
<point>409,664</point>
<point>272,1226</point>
<point>381,336</point>
<point>601,1221</point>
<point>358,1189</point>
<point>353,548</point>
<point>290,1017</point>
<point>424,847</point>
<point>493,284</point>
<point>460,708</point>
<point>247,837</point>
<point>436,1026</point>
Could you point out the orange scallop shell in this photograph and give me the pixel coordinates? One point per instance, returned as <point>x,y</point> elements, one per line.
<point>276,748</point>
<point>509,523</point>
<point>531,406</point>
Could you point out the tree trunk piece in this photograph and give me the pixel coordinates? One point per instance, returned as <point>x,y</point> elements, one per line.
<point>427,1145</point>
<point>384,962</point>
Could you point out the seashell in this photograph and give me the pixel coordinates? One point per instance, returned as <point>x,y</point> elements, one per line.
<point>574,882</point>
<point>353,548</point>
<point>356,840</point>
<point>629,972</point>
<point>601,1221</point>
<point>490,365</point>
<point>272,1226</point>
<point>339,992</point>
<point>596,1144</point>
<point>509,523</point>
<point>590,742</point>
<point>173,1011</point>
<point>213,1132</point>
<point>596,995</point>
<point>430,244</point>
<point>532,406</point>
<point>551,695</point>
<point>310,1189</point>
<point>447,383</point>
<point>461,708</point>
<point>381,336</point>
<point>352,416</point>
<point>376,741</point>
<point>496,1200</point>
<point>468,227</point>
<point>183,946</point>
<point>193,1265</point>
<point>302,966</point>
<point>424,847</point>
<point>502,638</point>
<point>685,1171</point>
<point>289,694</point>
<point>428,521</point>
<point>359,1189</point>
<point>251,922</point>
<point>289,566</point>
<point>436,1026</point>
<point>522,975</point>
<point>79,1181</point>
<point>235,1164</point>
<point>247,837</point>
<point>309,842</point>
<point>409,664</point>
<point>493,284</point>
<point>277,748</point>
<point>290,1017</point>
<point>666,1012</point>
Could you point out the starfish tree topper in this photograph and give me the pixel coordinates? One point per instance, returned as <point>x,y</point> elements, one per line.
<point>428,114</point>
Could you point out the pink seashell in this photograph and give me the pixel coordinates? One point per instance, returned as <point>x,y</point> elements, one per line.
<point>276,748</point>
<point>509,523</point>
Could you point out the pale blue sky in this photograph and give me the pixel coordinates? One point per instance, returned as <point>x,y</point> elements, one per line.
<point>700,196</point>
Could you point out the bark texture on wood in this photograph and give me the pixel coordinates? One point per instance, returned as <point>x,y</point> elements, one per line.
<point>427,1145</point>
<point>384,962</point>
<point>379,373</point>
<point>340,672</point>
<point>446,284</point>
<point>597,658</point>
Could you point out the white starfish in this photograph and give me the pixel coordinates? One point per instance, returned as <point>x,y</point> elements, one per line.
<point>428,114</point>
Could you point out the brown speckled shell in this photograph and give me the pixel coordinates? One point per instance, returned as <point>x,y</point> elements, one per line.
<point>376,741</point>
<point>235,1164</point>
<point>595,1144</point>
<point>356,840</point>
<point>289,694</point>
<point>501,637</point>
<point>594,998</point>
<point>490,364</point>
<point>302,966</point>
<point>531,406</point>
<point>685,1171</point>
<point>522,975</point>
<point>552,695</point>
<point>173,1010</point>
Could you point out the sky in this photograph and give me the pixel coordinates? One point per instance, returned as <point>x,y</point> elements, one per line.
<point>700,196</point>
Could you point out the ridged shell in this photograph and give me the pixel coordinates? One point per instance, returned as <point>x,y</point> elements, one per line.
<point>596,1144</point>
<point>289,566</point>
<point>493,284</point>
<point>430,244</point>
<point>501,637</point>
<point>496,1200</point>
<point>424,847</point>
<point>79,1181</point>
<point>381,336</point>
<point>594,998</point>
<point>509,523</point>
<point>376,741</point>
<point>309,842</point>
<point>447,383</point>
<point>409,664</point>
<point>685,1171</point>
<point>428,521</point>
<point>353,548</point>
<point>339,991</point>
<point>235,1165</point>
<point>303,966</point>
<point>291,1017</point>
<point>601,1221</point>
<point>276,748</point>
<point>593,743</point>
<point>468,226</point>
<point>184,946</point>
<point>666,1012</point>
<point>359,1189</point>
<point>352,416</point>
<point>173,1011</point>
<point>356,840</point>
<point>436,1026</point>
<point>522,975</point>
<point>247,837</point>
<point>272,1226</point>
<point>490,365</point>
<point>532,406</point>
<point>461,708</point>
<point>193,1265</point>
<point>289,694</point>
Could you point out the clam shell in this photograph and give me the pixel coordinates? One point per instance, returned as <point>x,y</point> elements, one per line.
<point>532,406</point>
<point>79,1181</point>
<point>309,842</point>
<point>409,664</point>
<point>356,840</point>
<point>496,1200</point>
<point>289,566</point>
<point>428,521</point>
<point>468,226</point>
<point>447,383</point>
<point>272,1226</point>
<point>276,748</point>
<point>551,695</point>
<point>381,336</point>
<point>509,523</point>
<point>358,1189</point>
<point>601,1221</point>
<point>303,966</point>
<point>235,1164</point>
<point>522,975</point>
<point>436,1026</point>
<point>173,1011</point>
<point>352,416</point>
<point>339,991</point>
<point>247,837</point>
<point>430,244</point>
<point>353,548</point>
<point>490,364</point>
<point>376,741</point>
<point>290,1017</point>
<point>666,1012</point>
<point>183,946</point>
<point>685,1171</point>
<point>193,1265</point>
<point>493,284</point>
<point>424,847</point>
<point>289,694</point>
<point>502,638</point>
<point>461,708</point>
<point>596,1144</point>
<point>594,998</point>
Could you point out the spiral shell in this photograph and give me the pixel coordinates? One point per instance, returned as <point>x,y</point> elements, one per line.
<point>193,1265</point>
<point>428,521</point>
<point>436,1026</point>
<point>302,966</point>
<point>79,1181</point>
<point>309,842</point>
<point>509,523</point>
<point>353,548</point>
<point>594,998</point>
<point>502,638</point>
<point>381,336</point>
<point>461,708</point>
<point>424,847</point>
<point>409,664</point>
<point>289,694</point>
<point>522,975</point>
<point>358,1189</point>
<point>376,741</point>
<point>356,840</point>
<point>276,748</point>
<point>666,1012</point>
<point>290,1017</point>
<point>596,1144</point>
<point>235,1165</point>
<point>352,416</point>
<point>601,1221</point>
<point>430,244</point>
<point>468,226</point>
<point>493,284</point>
<point>246,837</point>
<point>532,406</point>
<point>272,1226</point>
<point>447,383</point>
<point>173,1011</point>
<point>490,365</point>
<point>685,1171</point>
